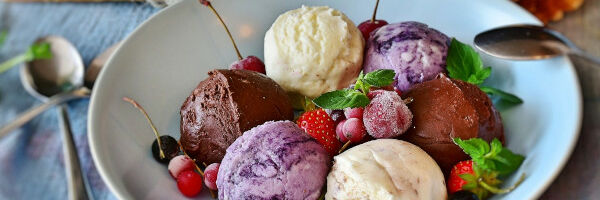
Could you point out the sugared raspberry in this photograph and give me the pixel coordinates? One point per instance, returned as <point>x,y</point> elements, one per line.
<point>180,164</point>
<point>210,176</point>
<point>387,116</point>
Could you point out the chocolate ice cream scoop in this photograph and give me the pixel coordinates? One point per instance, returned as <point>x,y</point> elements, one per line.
<point>445,108</point>
<point>225,105</point>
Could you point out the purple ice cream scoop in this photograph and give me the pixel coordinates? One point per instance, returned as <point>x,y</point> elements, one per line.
<point>276,160</point>
<point>414,51</point>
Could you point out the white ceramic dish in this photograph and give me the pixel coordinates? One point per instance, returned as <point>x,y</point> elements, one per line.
<point>163,60</point>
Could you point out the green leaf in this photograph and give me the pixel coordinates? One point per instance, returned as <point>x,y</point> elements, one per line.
<point>474,147</point>
<point>39,51</point>
<point>496,147</point>
<point>341,99</point>
<point>462,61</point>
<point>3,35</point>
<point>504,96</point>
<point>468,177</point>
<point>506,162</point>
<point>380,78</point>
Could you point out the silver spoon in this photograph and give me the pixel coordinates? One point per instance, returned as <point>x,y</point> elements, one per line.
<point>55,81</point>
<point>527,42</point>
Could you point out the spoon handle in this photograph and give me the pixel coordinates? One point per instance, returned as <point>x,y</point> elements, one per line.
<point>32,112</point>
<point>77,187</point>
<point>586,55</point>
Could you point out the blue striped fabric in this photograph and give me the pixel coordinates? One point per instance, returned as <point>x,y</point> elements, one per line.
<point>31,163</point>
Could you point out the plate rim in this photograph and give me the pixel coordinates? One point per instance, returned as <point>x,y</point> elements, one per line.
<point>121,193</point>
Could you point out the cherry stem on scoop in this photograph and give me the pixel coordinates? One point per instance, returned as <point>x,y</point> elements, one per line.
<point>408,100</point>
<point>209,5</point>
<point>136,105</point>
<point>375,11</point>
<point>344,147</point>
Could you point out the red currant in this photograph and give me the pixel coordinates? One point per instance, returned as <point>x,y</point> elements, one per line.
<point>210,176</point>
<point>189,183</point>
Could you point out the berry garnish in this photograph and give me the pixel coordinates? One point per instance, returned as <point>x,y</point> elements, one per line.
<point>480,175</point>
<point>387,116</point>
<point>189,183</point>
<point>163,151</point>
<point>339,132</point>
<point>353,112</point>
<point>320,126</point>
<point>354,130</point>
<point>369,26</point>
<point>210,176</point>
<point>336,115</point>
<point>169,147</point>
<point>249,63</point>
<point>463,195</point>
<point>180,164</point>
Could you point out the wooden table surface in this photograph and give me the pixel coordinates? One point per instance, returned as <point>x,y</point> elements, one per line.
<point>580,179</point>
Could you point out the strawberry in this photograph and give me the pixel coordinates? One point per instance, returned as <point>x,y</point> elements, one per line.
<point>321,127</point>
<point>467,176</point>
<point>455,183</point>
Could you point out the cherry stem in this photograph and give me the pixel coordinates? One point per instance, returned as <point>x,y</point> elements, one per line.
<point>408,100</point>
<point>207,3</point>
<point>186,155</point>
<point>136,105</point>
<point>345,146</point>
<point>375,11</point>
<point>495,190</point>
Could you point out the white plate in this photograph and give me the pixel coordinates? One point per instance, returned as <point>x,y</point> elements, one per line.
<point>163,60</point>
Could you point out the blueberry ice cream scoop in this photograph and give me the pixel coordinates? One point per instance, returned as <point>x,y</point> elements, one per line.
<point>276,160</point>
<point>416,52</point>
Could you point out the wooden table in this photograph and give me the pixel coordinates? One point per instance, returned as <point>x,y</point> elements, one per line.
<point>580,179</point>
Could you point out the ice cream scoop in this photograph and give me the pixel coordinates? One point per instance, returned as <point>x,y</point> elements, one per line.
<point>313,50</point>
<point>445,108</point>
<point>385,169</point>
<point>226,104</point>
<point>276,160</point>
<point>416,52</point>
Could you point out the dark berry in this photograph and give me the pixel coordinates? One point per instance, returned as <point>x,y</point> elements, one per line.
<point>367,27</point>
<point>169,146</point>
<point>336,115</point>
<point>463,195</point>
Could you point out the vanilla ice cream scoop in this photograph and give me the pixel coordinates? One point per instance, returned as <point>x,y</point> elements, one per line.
<point>313,50</point>
<point>385,169</point>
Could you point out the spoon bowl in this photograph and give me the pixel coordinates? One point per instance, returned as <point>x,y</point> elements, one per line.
<point>527,42</point>
<point>42,80</point>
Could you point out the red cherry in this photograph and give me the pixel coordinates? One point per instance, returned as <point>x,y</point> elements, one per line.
<point>251,63</point>
<point>210,176</point>
<point>189,183</point>
<point>369,26</point>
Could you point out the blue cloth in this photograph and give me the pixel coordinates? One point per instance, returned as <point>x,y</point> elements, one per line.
<point>31,161</point>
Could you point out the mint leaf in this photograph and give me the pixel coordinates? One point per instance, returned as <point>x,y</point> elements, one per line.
<point>490,157</point>
<point>462,61</point>
<point>506,162</point>
<point>379,78</point>
<point>39,51</point>
<point>505,96</point>
<point>341,99</point>
<point>474,147</point>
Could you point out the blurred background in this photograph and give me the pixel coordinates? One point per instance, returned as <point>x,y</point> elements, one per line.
<point>31,161</point>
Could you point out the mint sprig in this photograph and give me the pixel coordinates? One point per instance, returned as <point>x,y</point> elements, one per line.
<point>491,157</point>
<point>463,63</point>
<point>357,97</point>
<point>34,52</point>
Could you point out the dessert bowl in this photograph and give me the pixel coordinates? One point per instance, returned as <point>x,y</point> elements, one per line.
<point>165,58</point>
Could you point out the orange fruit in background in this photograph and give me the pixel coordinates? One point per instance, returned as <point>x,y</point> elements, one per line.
<point>549,10</point>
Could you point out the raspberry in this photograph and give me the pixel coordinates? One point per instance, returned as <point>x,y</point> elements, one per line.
<point>387,116</point>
